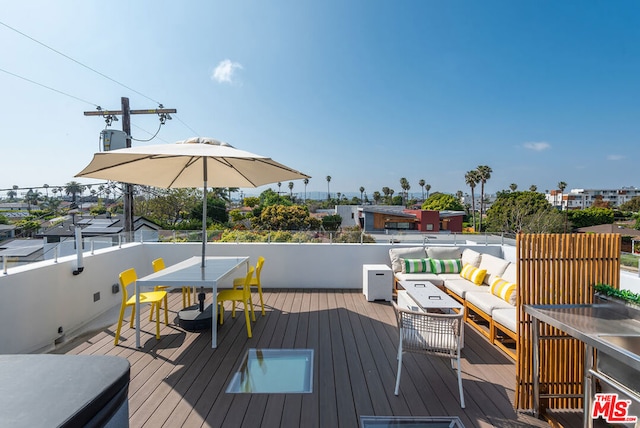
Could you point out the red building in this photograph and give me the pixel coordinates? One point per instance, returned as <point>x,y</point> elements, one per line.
<point>379,218</point>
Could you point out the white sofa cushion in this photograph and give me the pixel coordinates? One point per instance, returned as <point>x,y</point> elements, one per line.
<point>461,286</point>
<point>506,317</point>
<point>449,276</point>
<point>405,253</point>
<point>444,252</point>
<point>486,302</point>
<point>510,273</point>
<point>431,277</point>
<point>494,267</point>
<point>471,257</point>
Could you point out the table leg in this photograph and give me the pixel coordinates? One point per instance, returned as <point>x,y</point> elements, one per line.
<point>535,338</point>
<point>214,316</point>
<point>588,387</point>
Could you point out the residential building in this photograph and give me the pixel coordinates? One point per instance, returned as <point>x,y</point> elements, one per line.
<point>584,198</point>
<point>388,217</point>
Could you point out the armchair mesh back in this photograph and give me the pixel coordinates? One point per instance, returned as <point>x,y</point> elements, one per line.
<point>429,333</point>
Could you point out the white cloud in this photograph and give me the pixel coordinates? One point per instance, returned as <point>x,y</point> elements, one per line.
<point>537,146</point>
<point>615,157</point>
<point>225,71</point>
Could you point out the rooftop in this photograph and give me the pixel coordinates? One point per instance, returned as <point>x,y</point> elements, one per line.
<point>181,381</point>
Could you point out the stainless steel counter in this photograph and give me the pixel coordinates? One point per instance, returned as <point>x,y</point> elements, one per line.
<point>608,328</point>
<point>596,326</point>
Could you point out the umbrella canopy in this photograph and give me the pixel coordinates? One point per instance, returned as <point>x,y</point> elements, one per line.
<point>196,162</point>
<point>188,163</point>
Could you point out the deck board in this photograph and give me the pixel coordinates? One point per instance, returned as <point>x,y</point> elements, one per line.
<point>181,381</point>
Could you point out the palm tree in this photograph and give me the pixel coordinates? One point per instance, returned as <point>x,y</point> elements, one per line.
<point>376,197</point>
<point>533,188</point>
<point>562,185</point>
<point>328,191</point>
<point>421,183</point>
<point>427,187</point>
<point>484,172</point>
<point>459,195</point>
<point>11,194</point>
<point>305,181</point>
<point>385,192</point>
<point>32,198</point>
<point>471,178</point>
<point>291,190</point>
<point>404,184</point>
<point>361,195</point>
<point>73,188</point>
<point>46,189</point>
<point>391,192</point>
<point>513,187</point>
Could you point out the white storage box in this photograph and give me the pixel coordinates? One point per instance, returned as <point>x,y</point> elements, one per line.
<point>377,282</point>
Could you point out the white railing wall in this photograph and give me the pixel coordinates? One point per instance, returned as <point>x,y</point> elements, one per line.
<point>40,298</point>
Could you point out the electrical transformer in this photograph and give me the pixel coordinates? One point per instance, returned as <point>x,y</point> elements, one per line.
<point>113,139</point>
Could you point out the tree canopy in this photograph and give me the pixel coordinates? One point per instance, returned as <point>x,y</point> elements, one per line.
<point>591,216</point>
<point>281,217</point>
<point>442,202</point>
<point>170,206</point>
<point>631,205</point>
<point>530,212</point>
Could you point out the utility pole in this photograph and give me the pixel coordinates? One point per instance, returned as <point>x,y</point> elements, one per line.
<point>126,113</point>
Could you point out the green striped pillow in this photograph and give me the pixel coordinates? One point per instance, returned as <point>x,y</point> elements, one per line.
<point>446,266</point>
<point>416,266</point>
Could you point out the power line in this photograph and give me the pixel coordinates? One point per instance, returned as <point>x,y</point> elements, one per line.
<point>190,128</point>
<point>48,87</point>
<point>78,62</point>
<point>85,66</point>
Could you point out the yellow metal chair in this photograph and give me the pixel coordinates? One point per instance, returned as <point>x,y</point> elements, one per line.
<point>234,295</point>
<point>255,282</point>
<point>158,264</point>
<point>128,277</point>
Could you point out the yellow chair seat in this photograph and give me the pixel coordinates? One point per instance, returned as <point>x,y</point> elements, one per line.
<point>255,282</point>
<point>155,298</point>
<point>243,295</point>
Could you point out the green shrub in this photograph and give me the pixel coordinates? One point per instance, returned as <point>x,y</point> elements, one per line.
<point>626,295</point>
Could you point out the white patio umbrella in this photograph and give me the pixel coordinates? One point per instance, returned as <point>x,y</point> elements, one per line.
<point>194,162</point>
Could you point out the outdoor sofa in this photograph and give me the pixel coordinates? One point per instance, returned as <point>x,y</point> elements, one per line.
<point>484,284</point>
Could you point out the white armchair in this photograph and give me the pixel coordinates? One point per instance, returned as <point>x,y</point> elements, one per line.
<point>431,334</point>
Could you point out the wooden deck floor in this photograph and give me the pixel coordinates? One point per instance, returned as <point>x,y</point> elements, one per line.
<point>180,380</point>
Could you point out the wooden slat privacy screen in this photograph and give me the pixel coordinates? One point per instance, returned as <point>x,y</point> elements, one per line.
<point>558,269</point>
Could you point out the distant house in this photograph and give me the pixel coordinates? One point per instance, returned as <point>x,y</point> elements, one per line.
<point>7,231</point>
<point>384,217</point>
<point>100,226</point>
<point>629,234</point>
<point>15,210</point>
<point>22,250</point>
<point>610,228</point>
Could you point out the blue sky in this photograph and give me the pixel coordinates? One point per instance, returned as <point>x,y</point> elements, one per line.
<point>364,91</point>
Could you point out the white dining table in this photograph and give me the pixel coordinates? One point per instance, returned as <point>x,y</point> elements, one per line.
<point>190,273</point>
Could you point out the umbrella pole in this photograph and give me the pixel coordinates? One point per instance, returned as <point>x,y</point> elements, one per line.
<point>204,211</point>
